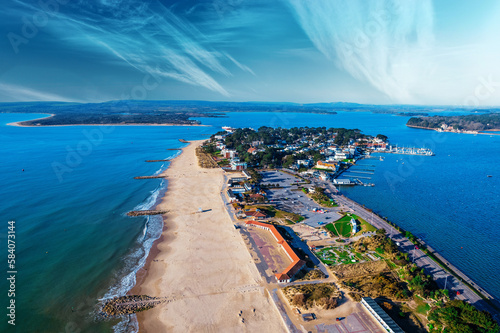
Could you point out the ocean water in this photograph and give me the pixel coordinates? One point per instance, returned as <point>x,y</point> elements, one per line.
<point>75,245</point>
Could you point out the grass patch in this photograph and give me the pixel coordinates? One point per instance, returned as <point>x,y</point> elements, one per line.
<point>330,227</point>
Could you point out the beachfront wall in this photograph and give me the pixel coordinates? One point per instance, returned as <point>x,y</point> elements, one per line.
<point>296,265</point>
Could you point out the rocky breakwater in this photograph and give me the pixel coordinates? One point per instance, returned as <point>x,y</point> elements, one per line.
<point>146,212</point>
<point>149,177</point>
<point>129,304</point>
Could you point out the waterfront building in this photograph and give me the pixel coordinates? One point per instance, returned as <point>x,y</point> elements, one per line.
<point>380,315</point>
<point>287,275</point>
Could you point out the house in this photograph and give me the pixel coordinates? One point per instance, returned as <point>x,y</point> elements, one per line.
<point>252,151</point>
<point>231,196</point>
<point>220,145</point>
<point>255,214</point>
<point>237,165</point>
<point>256,197</point>
<point>247,175</point>
<point>328,166</point>
<point>229,153</point>
<point>257,143</point>
<point>306,163</point>
<point>247,186</point>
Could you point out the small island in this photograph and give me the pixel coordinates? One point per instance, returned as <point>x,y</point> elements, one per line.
<point>473,124</point>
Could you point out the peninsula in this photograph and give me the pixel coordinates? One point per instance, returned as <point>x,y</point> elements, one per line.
<point>473,124</point>
<point>250,244</point>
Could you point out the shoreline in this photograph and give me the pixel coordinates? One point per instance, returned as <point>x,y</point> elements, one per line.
<point>200,263</point>
<point>437,130</point>
<point>19,124</point>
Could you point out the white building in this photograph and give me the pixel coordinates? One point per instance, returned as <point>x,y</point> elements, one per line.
<point>354,226</point>
<point>380,315</point>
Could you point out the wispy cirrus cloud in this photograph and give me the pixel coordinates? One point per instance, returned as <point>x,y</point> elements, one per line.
<point>374,41</point>
<point>15,93</point>
<point>148,37</point>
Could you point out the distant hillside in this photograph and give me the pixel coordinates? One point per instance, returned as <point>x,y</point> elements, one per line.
<point>146,112</point>
<point>476,122</point>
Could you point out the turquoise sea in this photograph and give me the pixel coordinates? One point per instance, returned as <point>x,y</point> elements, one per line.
<point>74,244</point>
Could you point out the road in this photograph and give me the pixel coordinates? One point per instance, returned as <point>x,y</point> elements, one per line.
<point>422,260</point>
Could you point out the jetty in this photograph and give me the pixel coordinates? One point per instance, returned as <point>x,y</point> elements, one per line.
<point>146,212</point>
<point>363,172</point>
<point>183,141</point>
<point>174,148</point>
<point>130,304</point>
<point>164,160</point>
<point>149,177</point>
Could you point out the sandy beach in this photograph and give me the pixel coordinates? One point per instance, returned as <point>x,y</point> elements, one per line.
<point>201,263</point>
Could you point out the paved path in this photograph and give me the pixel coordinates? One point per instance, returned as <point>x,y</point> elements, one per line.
<point>441,276</point>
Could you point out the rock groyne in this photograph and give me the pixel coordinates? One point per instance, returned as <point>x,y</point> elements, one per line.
<point>146,212</point>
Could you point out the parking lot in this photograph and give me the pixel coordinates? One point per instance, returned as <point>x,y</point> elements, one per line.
<point>289,198</point>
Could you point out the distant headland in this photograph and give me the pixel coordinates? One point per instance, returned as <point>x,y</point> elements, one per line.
<point>472,124</point>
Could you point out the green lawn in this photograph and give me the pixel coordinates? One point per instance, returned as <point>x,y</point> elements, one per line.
<point>344,228</point>
<point>331,228</point>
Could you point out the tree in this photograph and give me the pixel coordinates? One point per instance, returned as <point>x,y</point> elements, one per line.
<point>299,300</point>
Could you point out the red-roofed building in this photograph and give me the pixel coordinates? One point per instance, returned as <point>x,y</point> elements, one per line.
<point>255,214</point>
<point>252,151</point>
<point>296,265</point>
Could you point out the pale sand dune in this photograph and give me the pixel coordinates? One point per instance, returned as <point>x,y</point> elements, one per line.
<point>202,263</point>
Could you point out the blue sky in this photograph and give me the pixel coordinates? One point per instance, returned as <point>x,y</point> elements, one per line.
<point>383,52</point>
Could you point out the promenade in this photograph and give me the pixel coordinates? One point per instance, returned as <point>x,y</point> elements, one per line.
<point>458,289</point>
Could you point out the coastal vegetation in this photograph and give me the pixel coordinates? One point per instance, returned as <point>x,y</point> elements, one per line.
<point>277,214</point>
<point>321,198</point>
<point>306,296</point>
<point>205,159</point>
<point>459,316</point>
<point>476,122</point>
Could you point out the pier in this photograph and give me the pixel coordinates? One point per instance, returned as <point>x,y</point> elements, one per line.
<point>355,176</point>
<point>364,172</point>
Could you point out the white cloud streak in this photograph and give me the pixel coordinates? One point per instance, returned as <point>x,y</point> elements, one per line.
<point>384,43</point>
<point>146,36</point>
<point>14,92</point>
